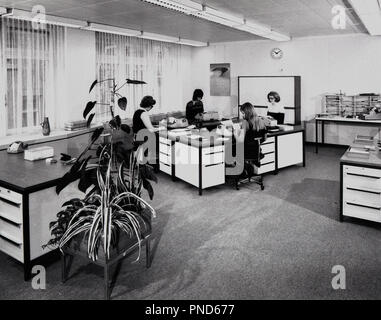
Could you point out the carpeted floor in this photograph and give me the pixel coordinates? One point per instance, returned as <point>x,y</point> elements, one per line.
<point>280,243</point>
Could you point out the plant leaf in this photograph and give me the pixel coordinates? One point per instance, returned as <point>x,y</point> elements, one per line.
<point>129,81</point>
<point>122,103</point>
<point>126,128</point>
<point>148,187</point>
<point>147,173</point>
<point>89,106</point>
<point>93,85</point>
<point>96,134</point>
<point>90,119</point>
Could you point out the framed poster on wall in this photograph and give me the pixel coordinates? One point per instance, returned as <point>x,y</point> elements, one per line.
<point>220,79</point>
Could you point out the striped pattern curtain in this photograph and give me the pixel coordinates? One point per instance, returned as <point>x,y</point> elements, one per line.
<point>156,63</point>
<point>33,75</point>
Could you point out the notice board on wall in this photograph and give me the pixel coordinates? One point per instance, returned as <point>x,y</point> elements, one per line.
<point>254,89</point>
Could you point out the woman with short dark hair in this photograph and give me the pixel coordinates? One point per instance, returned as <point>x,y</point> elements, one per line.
<point>275,109</point>
<point>141,119</point>
<point>195,108</point>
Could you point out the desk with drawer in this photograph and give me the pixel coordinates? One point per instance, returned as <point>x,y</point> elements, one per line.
<point>202,162</point>
<point>360,180</point>
<point>28,203</point>
<point>194,161</point>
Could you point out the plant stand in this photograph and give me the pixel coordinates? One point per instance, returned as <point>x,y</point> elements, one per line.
<point>116,257</point>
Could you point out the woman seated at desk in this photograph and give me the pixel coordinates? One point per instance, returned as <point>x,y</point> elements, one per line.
<point>275,109</point>
<point>253,127</point>
<point>195,108</point>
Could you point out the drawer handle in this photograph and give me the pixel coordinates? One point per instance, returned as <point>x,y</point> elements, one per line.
<point>16,224</point>
<point>362,205</point>
<point>362,175</point>
<point>164,153</point>
<point>9,200</point>
<point>362,190</point>
<point>164,164</point>
<point>213,165</point>
<point>10,241</point>
<point>269,153</point>
<point>267,143</point>
<point>265,164</point>
<point>217,152</point>
<point>164,144</point>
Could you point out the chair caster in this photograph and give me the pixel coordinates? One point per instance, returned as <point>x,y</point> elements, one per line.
<point>262,188</point>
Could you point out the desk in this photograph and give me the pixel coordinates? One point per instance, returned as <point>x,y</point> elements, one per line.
<point>201,162</point>
<point>340,120</point>
<point>28,202</point>
<point>360,187</point>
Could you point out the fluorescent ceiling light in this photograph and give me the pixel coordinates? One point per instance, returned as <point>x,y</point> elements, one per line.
<point>192,43</point>
<point>158,37</point>
<point>110,29</point>
<point>183,6</point>
<point>6,12</point>
<point>370,14</point>
<point>30,16</point>
<point>204,12</point>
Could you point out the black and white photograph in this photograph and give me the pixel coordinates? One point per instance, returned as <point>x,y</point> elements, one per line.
<point>190,156</point>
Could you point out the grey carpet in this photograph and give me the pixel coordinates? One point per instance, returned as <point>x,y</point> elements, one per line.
<point>280,243</point>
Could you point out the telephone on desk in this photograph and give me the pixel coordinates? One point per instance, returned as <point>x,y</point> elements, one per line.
<point>17,147</point>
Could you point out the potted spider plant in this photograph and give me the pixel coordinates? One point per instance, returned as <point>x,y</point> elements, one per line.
<point>113,213</point>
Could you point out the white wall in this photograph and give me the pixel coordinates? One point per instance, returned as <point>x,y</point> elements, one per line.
<point>349,63</point>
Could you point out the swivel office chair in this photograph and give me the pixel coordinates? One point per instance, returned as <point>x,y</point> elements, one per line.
<point>251,162</point>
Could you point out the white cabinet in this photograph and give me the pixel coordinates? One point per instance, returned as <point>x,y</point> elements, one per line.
<point>165,155</point>
<point>290,149</point>
<point>361,192</point>
<point>268,162</point>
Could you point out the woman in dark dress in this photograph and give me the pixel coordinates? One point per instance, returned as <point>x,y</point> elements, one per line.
<point>141,118</point>
<point>195,108</point>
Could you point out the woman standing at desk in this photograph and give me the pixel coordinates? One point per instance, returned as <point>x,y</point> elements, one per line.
<point>141,119</point>
<point>195,108</point>
<point>275,109</point>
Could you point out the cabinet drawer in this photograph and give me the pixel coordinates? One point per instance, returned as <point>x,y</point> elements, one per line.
<point>266,148</point>
<point>270,167</point>
<point>211,150</point>
<point>268,141</point>
<point>164,158</point>
<point>11,248</point>
<point>164,148</point>
<point>165,168</point>
<point>213,175</point>
<point>213,158</point>
<point>11,211</point>
<point>11,231</point>
<point>361,194</point>
<point>10,195</point>
<point>362,172</point>
<point>361,210</point>
<point>164,141</point>
<point>269,157</point>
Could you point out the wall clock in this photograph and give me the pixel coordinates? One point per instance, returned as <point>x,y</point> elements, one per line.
<point>276,53</point>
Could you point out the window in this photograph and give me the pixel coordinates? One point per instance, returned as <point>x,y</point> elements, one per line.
<point>156,63</point>
<point>32,59</point>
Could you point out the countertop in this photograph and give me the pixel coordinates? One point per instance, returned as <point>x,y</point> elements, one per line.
<point>374,159</point>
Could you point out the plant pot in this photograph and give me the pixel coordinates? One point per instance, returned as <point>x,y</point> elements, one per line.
<point>124,243</point>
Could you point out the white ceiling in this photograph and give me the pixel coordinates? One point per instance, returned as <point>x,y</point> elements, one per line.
<point>299,18</point>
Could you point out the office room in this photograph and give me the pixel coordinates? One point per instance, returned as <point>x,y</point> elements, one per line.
<point>190,150</point>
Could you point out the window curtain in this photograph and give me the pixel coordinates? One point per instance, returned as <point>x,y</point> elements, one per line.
<point>32,84</point>
<point>156,63</point>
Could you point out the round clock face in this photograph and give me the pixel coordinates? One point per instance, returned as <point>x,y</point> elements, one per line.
<point>276,53</point>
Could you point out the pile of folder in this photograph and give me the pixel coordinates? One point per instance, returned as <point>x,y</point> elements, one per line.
<point>75,125</point>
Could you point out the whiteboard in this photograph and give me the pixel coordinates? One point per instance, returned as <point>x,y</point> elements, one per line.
<point>255,90</point>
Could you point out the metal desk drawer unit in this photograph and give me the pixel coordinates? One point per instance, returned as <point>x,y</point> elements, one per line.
<point>268,162</point>
<point>361,193</point>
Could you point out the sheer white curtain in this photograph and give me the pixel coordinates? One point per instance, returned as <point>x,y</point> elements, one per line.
<point>32,84</point>
<point>156,63</point>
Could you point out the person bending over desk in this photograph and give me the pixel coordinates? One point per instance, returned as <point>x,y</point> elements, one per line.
<point>141,119</point>
<point>275,109</point>
<point>195,108</point>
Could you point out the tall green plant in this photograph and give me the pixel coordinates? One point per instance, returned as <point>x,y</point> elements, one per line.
<point>114,204</point>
